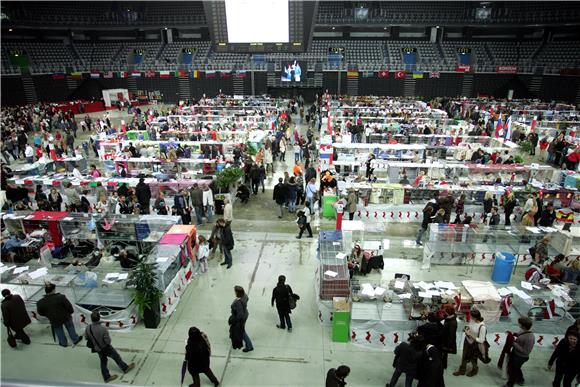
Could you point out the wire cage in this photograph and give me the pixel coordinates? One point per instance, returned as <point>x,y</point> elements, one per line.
<point>151,228</point>
<point>79,226</point>
<point>13,221</point>
<point>117,228</point>
<point>167,260</point>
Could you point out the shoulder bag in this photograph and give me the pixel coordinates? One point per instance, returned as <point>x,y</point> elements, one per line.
<point>483,349</point>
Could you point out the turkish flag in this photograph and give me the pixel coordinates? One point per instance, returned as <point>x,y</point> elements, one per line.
<point>400,74</point>
<point>383,74</point>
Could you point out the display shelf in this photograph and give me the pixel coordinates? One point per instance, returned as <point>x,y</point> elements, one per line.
<point>79,226</point>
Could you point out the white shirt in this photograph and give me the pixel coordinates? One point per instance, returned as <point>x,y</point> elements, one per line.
<point>28,152</point>
<point>208,198</point>
<point>77,174</point>
<point>203,251</point>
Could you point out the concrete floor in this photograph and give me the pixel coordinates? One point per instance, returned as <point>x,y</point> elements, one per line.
<point>265,248</point>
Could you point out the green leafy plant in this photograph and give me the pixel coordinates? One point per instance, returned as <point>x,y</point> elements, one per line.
<point>525,146</point>
<point>251,149</point>
<point>146,294</point>
<point>228,177</point>
<point>518,159</point>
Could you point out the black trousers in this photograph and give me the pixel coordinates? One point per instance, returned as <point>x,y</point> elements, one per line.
<point>284,319</point>
<point>19,334</point>
<point>306,227</point>
<point>208,372</point>
<point>255,186</point>
<point>515,364</point>
<point>566,374</point>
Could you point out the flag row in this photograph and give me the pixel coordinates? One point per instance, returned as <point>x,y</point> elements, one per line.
<point>397,74</point>
<point>151,74</point>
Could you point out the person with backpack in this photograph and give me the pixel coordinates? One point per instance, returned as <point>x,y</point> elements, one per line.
<point>99,341</point>
<point>521,349</point>
<point>282,294</point>
<point>475,339</point>
<point>197,356</point>
<point>303,220</point>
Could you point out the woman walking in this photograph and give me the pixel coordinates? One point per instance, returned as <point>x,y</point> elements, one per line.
<point>449,334</point>
<point>197,354</point>
<point>474,336</point>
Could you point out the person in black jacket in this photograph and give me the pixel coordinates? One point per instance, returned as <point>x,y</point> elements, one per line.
<point>255,178</point>
<point>280,195</point>
<point>407,356</point>
<point>509,206</point>
<point>281,294</point>
<point>143,193</point>
<point>335,376</point>
<point>14,315</point>
<point>493,223</point>
<point>548,216</point>
<point>197,354</point>
<point>427,213</point>
<point>449,334</point>
<point>432,330</point>
<point>58,309</point>
<point>237,321</point>
<point>567,357</point>
<point>226,241</point>
<point>431,367</point>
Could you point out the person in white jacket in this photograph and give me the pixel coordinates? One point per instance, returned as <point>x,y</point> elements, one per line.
<point>208,203</point>
<point>202,253</point>
<point>228,211</point>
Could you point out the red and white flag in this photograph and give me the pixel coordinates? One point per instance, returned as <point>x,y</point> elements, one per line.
<point>383,74</point>
<point>400,74</point>
<point>108,74</point>
<point>434,74</point>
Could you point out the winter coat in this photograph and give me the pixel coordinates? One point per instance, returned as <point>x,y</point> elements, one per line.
<point>431,332</point>
<point>332,380</point>
<point>351,202</point>
<point>198,355</point>
<point>431,366</point>
<point>564,358</point>
<point>143,193</point>
<point>449,335</point>
<point>56,307</point>
<point>281,295</point>
<point>280,193</point>
<point>227,240</point>
<point>407,358</point>
<point>196,197</point>
<point>14,314</point>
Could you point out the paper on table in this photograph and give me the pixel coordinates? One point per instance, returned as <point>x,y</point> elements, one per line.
<point>379,291</point>
<point>504,292</point>
<point>111,276</point>
<point>19,270</point>
<point>405,296</point>
<point>445,285</point>
<point>162,259</point>
<point>38,273</point>
<point>535,230</point>
<point>433,293</point>
<point>123,276</point>
<point>331,273</point>
<point>340,256</point>
<point>399,284</point>
<point>336,243</point>
<point>424,285</point>
<point>527,285</point>
<point>512,289</point>
<point>424,294</point>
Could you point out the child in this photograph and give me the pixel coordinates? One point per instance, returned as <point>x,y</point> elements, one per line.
<point>202,253</point>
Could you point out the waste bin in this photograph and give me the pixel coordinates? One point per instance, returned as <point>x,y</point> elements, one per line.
<point>328,210</point>
<point>341,320</point>
<point>503,267</point>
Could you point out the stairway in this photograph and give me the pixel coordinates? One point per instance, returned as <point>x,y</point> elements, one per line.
<point>132,84</point>
<point>183,87</point>
<point>318,80</point>
<point>238,85</point>
<point>536,85</point>
<point>29,90</point>
<point>409,86</point>
<point>271,79</point>
<point>72,83</point>
<point>352,86</point>
<point>467,85</point>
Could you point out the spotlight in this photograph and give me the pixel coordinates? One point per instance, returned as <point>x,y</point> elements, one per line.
<point>332,27</point>
<point>9,29</point>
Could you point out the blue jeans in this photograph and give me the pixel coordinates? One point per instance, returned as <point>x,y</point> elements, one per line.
<point>227,255</point>
<point>247,342</point>
<point>209,213</point>
<point>292,205</point>
<point>59,332</point>
<point>104,354</point>
<point>199,214</point>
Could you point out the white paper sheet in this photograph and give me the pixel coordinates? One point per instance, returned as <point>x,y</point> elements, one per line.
<point>424,294</point>
<point>38,273</point>
<point>331,273</point>
<point>123,276</point>
<point>504,292</point>
<point>162,259</point>
<point>112,276</point>
<point>527,285</point>
<point>405,296</point>
<point>379,291</point>
<point>445,285</point>
<point>340,256</point>
<point>19,270</point>
<point>399,284</point>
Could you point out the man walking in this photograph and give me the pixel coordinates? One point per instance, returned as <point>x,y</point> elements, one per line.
<point>306,225</point>
<point>226,241</point>
<point>58,309</point>
<point>143,193</point>
<point>280,196</point>
<point>197,203</point>
<point>99,337</point>
<point>493,223</point>
<point>281,294</point>
<point>14,315</point>
<point>521,349</point>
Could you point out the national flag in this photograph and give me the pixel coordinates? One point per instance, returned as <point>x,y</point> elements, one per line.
<point>352,74</point>
<point>95,75</point>
<point>58,76</point>
<point>108,74</point>
<point>383,74</point>
<point>195,74</point>
<point>434,74</point>
<point>136,74</point>
<point>225,74</point>
<point>164,74</point>
<point>534,123</point>
<point>240,74</point>
<point>149,74</point>
<point>463,68</point>
<point>123,74</point>
<point>210,74</point>
<point>367,74</point>
<point>498,127</point>
<point>400,74</point>
<point>180,73</point>
<point>417,75</point>
<point>508,131</point>
<point>76,74</point>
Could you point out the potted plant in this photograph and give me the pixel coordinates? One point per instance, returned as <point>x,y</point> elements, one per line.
<point>228,177</point>
<point>146,294</point>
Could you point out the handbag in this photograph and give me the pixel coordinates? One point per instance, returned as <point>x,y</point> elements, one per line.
<point>90,343</point>
<point>11,339</point>
<point>483,350</point>
<point>292,298</point>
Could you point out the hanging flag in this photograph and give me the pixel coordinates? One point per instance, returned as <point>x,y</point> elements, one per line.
<point>508,131</point>
<point>149,74</point>
<point>400,74</point>
<point>498,127</point>
<point>95,75</point>
<point>195,74</point>
<point>352,74</point>
<point>367,74</point>
<point>76,74</point>
<point>534,123</point>
<point>123,74</point>
<point>58,76</point>
<point>240,74</point>
<point>225,74</point>
<point>383,74</point>
<point>417,75</point>
<point>463,68</point>
<point>434,74</point>
<point>210,74</point>
<point>136,74</point>
<point>164,74</point>
<point>181,73</point>
<point>108,74</point>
